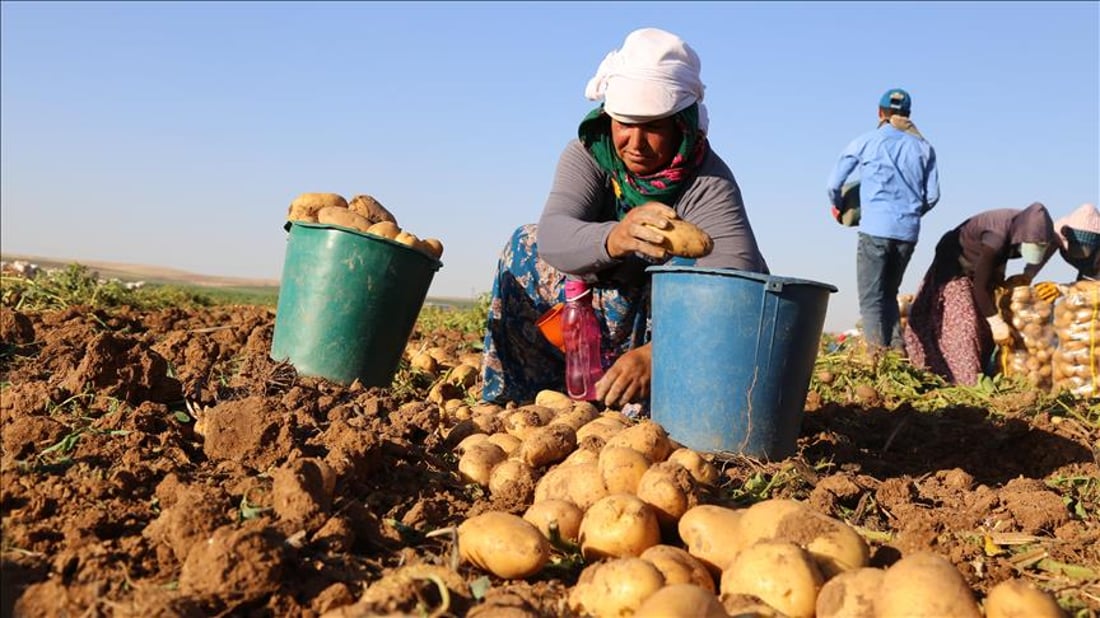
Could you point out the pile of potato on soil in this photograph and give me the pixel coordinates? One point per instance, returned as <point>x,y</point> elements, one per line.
<point>632,502</point>
<point>363,214</point>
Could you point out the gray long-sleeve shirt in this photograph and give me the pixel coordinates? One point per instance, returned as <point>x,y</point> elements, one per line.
<point>580,212</point>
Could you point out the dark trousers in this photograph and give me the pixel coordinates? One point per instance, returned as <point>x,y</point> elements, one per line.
<point>880,266</point>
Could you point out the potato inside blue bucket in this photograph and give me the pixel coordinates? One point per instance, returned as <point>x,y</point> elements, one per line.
<point>733,352</point>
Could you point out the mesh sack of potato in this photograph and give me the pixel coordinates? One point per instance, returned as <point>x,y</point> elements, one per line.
<point>1033,350</point>
<point>1077,326</point>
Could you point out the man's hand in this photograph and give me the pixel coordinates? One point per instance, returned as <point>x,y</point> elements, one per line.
<point>1000,330</point>
<point>633,235</point>
<point>1048,291</point>
<point>628,378</point>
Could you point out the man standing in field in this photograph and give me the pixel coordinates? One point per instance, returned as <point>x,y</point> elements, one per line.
<point>898,184</point>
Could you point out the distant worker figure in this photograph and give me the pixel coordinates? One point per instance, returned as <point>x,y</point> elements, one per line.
<point>954,321</point>
<point>898,184</point>
<point>1079,241</point>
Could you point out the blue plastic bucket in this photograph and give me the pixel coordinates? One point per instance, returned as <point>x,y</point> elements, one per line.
<point>348,302</point>
<point>733,352</point>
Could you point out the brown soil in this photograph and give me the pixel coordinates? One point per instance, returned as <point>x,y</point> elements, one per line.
<point>160,464</point>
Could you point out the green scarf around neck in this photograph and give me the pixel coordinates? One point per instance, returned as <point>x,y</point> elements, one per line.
<point>662,186</point>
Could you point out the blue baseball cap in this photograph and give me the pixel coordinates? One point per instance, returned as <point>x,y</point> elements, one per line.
<point>897,100</point>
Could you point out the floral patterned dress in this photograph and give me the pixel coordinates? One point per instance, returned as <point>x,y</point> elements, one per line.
<point>518,361</point>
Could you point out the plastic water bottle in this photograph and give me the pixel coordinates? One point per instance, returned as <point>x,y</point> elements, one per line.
<point>581,331</point>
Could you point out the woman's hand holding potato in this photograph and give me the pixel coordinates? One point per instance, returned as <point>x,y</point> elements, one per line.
<point>639,232</point>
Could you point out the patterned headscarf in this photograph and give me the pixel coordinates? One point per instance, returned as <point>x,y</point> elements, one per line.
<point>662,186</point>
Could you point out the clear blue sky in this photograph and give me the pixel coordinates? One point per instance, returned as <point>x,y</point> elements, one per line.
<point>176,134</point>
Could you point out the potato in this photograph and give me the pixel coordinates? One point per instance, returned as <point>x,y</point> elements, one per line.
<point>577,483</point>
<point>685,239</point>
<point>442,356</point>
<point>923,585</point>
<point>850,594</point>
<point>614,588</point>
<point>503,544</point>
<point>469,441</point>
<point>621,468</point>
<point>472,359</point>
<point>578,415</point>
<point>547,445</point>
<point>553,399</point>
<point>670,490</point>
<point>586,408</point>
<point>748,606</point>
<point>561,513</point>
<point>477,463</point>
<point>523,422</point>
<point>681,600</point>
<point>679,567</point>
<point>761,520</point>
<point>582,456</point>
<point>554,485</point>
<point>618,525</point>
<point>408,239</point>
<point>585,486</point>
<point>463,375</point>
<point>700,469</point>
<point>305,206</point>
<point>432,246</point>
<point>505,441</point>
<point>512,478</point>
<point>385,229</point>
<point>371,209</point>
<point>602,428</point>
<point>781,574</point>
<point>834,544</point>
<point>478,423</point>
<point>1018,598</point>
<point>545,413</point>
<point>646,437</point>
<point>451,406</point>
<point>334,215</point>
<point>424,362</point>
<point>711,534</point>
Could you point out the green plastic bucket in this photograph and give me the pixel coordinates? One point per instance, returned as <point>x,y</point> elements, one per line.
<point>348,302</point>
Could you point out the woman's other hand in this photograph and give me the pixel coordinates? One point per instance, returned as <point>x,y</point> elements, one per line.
<point>997,327</point>
<point>628,378</point>
<point>634,235</point>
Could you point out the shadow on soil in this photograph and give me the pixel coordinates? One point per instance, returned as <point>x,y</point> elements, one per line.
<point>887,443</point>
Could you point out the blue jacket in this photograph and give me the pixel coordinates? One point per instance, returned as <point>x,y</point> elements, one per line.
<point>898,181</point>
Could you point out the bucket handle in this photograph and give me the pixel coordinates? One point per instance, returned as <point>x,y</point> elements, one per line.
<point>774,286</point>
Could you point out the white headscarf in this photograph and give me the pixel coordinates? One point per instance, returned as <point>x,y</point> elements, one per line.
<point>654,75</point>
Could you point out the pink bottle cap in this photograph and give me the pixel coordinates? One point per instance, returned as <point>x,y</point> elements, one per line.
<point>575,289</point>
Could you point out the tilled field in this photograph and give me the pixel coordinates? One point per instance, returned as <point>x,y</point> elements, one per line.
<point>160,464</point>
